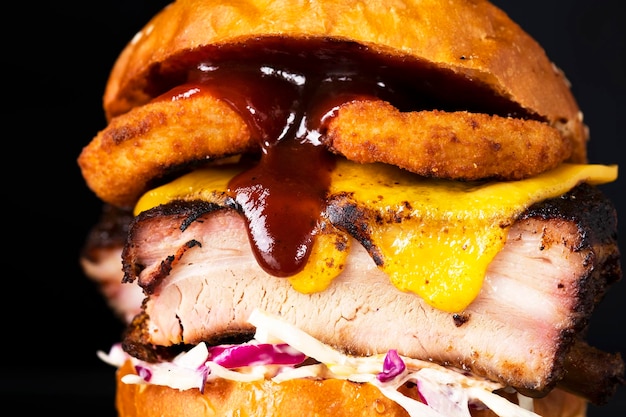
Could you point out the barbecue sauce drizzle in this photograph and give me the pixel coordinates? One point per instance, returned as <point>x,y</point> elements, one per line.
<point>282,195</point>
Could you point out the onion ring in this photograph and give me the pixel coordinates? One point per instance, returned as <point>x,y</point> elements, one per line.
<point>145,145</point>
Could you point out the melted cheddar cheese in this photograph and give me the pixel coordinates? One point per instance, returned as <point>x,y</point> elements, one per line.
<point>449,230</point>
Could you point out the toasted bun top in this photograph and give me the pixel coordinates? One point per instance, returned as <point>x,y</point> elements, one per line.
<point>297,397</point>
<point>472,38</point>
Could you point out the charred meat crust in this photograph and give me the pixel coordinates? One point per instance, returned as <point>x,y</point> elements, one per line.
<point>111,230</point>
<point>596,219</point>
<point>588,227</point>
<point>137,344</point>
<point>187,213</point>
<point>585,363</point>
<point>348,216</point>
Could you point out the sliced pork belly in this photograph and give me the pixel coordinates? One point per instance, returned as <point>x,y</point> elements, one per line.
<point>202,281</point>
<point>101,261</point>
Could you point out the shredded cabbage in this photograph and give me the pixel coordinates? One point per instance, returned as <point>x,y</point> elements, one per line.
<point>248,354</point>
<point>279,349</point>
<point>393,365</point>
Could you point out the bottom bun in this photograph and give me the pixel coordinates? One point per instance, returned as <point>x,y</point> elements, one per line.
<point>297,398</point>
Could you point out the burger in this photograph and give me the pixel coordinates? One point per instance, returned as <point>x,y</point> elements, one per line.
<point>349,208</point>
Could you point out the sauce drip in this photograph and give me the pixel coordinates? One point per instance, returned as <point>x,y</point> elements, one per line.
<point>282,195</point>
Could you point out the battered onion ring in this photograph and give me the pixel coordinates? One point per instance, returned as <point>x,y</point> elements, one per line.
<point>139,147</point>
<point>452,145</point>
<point>146,144</point>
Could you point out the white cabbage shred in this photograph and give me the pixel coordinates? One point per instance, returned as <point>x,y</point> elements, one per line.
<point>448,392</point>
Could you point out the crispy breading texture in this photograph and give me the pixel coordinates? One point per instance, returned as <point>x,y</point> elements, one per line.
<point>150,141</point>
<point>451,145</point>
<point>143,145</point>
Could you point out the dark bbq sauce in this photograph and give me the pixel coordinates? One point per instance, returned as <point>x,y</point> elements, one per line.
<point>286,95</point>
<point>283,195</point>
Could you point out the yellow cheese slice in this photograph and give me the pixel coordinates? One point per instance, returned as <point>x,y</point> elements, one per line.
<point>437,237</point>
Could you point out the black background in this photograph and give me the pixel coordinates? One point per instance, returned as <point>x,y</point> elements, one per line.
<point>56,58</point>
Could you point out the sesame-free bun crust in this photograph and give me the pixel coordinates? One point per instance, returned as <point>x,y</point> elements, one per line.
<point>471,38</point>
<point>293,398</point>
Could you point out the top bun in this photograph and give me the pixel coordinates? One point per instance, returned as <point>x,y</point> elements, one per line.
<point>471,38</point>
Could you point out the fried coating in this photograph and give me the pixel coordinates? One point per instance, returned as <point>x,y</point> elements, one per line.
<point>146,144</point>
<point>452,145</point>
<point>149,142</point>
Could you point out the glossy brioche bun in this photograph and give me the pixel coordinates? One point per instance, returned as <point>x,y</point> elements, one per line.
<point>472,38</point>
<point>293,398</point>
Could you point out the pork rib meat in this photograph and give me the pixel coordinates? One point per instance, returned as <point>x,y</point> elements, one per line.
<point>201,280</point>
